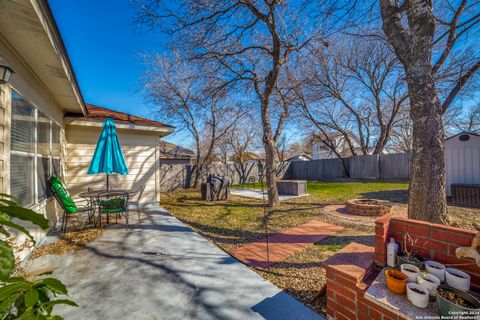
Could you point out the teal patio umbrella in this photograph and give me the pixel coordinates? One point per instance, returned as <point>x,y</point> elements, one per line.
<point>108,157</point>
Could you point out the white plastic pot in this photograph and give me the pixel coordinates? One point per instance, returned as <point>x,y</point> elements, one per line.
<point>437,269</point>
<point>457,279</point>
<point>429,282</point>
<point>417,299</point>
<point>410,271</point>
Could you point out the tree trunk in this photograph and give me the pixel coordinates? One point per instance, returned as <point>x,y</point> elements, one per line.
<point>427,197</point>
<point>413,47</point>
<point>270,156</point>
<point>345,166</point>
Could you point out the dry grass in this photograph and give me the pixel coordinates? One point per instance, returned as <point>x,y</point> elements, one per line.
<point>239,221</point>
<point>69,242</point>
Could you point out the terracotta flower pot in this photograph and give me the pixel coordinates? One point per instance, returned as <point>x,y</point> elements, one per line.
<point>396,281</point>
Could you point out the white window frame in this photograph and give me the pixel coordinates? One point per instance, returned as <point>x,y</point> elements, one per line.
<point>35,155</point>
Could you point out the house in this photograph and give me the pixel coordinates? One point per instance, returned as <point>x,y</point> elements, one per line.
<point>172,154</point>
<point>47,128</point>
<point>297,157</point>
<point>321,151</point>
<point>462,159</point>
<point>246,157</point>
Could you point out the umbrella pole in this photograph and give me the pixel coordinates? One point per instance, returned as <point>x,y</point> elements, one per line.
<point>108,184</point>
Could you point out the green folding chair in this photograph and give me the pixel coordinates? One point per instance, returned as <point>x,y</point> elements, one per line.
<point>68,205</point>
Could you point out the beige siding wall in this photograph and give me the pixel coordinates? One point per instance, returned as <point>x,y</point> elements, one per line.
<point>34,92</point>
<point>139,150</point>
<point>5,99</point>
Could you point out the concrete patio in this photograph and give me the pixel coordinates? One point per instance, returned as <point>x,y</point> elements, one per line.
<point>161,269</point>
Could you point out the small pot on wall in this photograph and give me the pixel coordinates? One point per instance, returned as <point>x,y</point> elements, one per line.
<point>435,268</point>
<point>429,282</point>
<point>417,295</point>
<point>414,259</point>
<point>410,271</point>
<point>457,279</point>
<point>451,301</point>
<point>396,281</point>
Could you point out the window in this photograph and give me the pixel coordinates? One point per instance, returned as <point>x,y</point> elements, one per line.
<point>35,152</point>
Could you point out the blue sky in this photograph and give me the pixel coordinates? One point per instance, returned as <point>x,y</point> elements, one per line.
<point>106,51</point>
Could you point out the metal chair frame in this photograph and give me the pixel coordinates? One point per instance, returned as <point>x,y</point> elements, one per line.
<point>108,195</point>
<point>138,194</point>
<point>90,210</point>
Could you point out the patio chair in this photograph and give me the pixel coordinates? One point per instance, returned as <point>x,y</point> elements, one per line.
<point>68,205</point>
<point>134,198</point>
<point>113,202</point>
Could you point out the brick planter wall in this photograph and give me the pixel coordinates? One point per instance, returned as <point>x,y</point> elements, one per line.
<point>349,273</point>
<point>436,242</point>
<point>351,270</point>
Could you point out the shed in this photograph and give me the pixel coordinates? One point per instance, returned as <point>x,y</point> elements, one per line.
<point>462,156</point>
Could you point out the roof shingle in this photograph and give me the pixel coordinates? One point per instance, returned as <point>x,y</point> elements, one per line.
<point>99,113</point>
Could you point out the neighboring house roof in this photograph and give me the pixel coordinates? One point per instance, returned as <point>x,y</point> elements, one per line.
<point>463,132</point>
<point>331,136</point>
<point>297,157</point>
<point>246,156</point>
<point>172,151</point>
<point>96,115</point>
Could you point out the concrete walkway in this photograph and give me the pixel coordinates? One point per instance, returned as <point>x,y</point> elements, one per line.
<point>161,269</point>
<point>282,245</point>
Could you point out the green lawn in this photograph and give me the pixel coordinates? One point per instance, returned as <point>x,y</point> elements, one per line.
<point>330,192</point>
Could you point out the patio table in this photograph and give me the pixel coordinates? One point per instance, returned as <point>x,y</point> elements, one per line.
<point>94,194</point>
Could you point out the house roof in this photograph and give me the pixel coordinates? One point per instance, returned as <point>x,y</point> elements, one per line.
<point>246,156</point>
<point>316,137</point>
<point>96,115</point>
<point>172,151</point>
<point>290,157</point>
<point>463,132</point>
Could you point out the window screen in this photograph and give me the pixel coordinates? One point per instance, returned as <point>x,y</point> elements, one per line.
<point>56,140</point>
<point>43,135</point>
<point>35,152</point>
<point>57,170</point>
<point>43,174</point>
<point>23,125</point>
<point>21,179</point>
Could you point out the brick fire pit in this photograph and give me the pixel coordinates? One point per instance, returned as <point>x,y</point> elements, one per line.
<point>367,207</point>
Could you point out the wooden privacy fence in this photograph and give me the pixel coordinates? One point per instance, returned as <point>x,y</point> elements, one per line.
<point>383,166</point>
<point>176,176</point>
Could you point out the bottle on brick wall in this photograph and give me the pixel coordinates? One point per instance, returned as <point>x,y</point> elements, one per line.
<point>392,249</point>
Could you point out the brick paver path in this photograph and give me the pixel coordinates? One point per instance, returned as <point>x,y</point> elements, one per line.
<point>284,244</point>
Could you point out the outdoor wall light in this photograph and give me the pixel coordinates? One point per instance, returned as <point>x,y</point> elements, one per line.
<point>5,73</point>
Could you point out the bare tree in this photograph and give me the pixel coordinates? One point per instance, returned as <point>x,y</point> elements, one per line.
<point>401,138</point>
<point>247,42</point>
<point>181,96</point>
<point>462,119</point>
<point>425,39</point>
<point>354,89</point>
